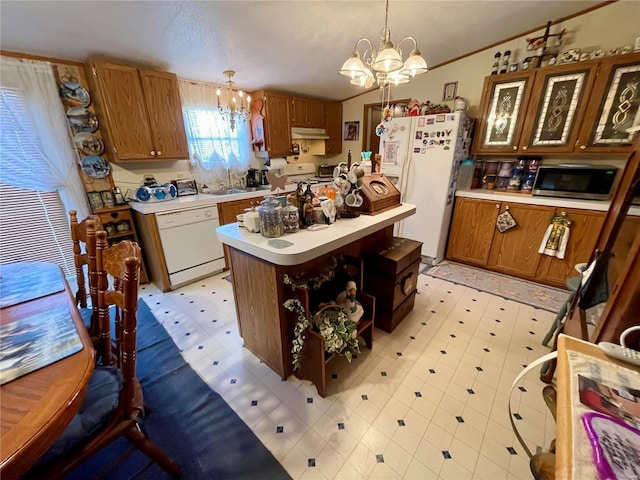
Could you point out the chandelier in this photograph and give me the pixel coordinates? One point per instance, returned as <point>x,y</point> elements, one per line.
<point>236,110</point>
<point>386,62</point>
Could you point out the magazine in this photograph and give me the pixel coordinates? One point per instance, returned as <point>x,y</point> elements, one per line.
<point>34,342</point>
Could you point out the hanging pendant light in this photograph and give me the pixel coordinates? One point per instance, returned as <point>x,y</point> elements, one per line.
<point>387,62</point>
<point>237,109</point>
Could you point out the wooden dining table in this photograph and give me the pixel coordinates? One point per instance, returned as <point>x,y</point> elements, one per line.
<point>36,406</point>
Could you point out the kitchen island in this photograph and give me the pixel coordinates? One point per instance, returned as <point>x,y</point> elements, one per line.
<point>258,265</point>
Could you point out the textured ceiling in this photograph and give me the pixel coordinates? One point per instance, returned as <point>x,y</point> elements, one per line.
<point>296,46</point>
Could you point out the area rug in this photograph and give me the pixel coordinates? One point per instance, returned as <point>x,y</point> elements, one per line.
<point>510,288</point>
<point>188,421</point>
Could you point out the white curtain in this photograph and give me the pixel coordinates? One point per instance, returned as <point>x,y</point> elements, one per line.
<point>37,153</point>
<point>216,152</point>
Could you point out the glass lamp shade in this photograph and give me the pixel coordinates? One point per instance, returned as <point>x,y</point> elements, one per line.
<point>366,80</point>
<point>353,67</point>
<point>388,60</point>
<point>398,78</point>
<point>415,64</point>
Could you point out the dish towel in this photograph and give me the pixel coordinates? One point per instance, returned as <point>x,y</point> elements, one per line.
<point>555,239</point>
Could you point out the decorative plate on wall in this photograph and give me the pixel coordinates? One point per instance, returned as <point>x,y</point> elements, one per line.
<point>88,144</point>
<point>95,166</point>
<point>74,94</point>
<point>82,120</point>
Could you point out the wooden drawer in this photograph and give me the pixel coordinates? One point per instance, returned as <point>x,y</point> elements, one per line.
<point>390,292</point>
<point>392,258</point>
<point>388,321</point>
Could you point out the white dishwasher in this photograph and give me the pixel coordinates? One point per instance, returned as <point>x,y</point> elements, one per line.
<point>189,243</point>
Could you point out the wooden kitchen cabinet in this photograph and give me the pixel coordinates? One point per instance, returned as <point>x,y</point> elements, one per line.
<point>582,107</point>
<point>333,127</point>
<point>119,225</point>
<point>227,212</point>
<point>307,112</point>
<point>502,112</point>
<point>583,233</point>
<point>515,251</point>
<point>556,108</point>
<point>276,123</point>
<point>474,240</point>
<point>613,106</point>
<point>141,111</point>
<point>472,230</point>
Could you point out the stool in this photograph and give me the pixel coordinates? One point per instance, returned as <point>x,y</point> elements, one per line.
<point>573,283</point>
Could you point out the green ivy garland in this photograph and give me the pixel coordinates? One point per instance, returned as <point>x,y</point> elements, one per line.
<point>339,332</point>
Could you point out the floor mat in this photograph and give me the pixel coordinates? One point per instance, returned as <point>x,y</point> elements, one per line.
<point>510,288</point>
<point>188,421</point>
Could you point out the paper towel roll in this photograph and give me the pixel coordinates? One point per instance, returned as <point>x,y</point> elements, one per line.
<point>277,163</point>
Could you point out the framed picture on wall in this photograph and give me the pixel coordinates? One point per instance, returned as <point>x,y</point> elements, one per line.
<point>351,131</point>
<point>449,91</point>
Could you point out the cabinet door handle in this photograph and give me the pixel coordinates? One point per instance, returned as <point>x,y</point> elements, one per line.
<point>497,205</point>
<point>583,147</point>
<point>152,153</point>
<point>524,147</point>
<point>515,148</point>
<point>159,153</point>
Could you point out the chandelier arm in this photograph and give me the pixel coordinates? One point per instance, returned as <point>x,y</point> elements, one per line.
<point>408,37</point>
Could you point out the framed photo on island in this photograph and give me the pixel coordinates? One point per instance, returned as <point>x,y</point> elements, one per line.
<point>449,91</point>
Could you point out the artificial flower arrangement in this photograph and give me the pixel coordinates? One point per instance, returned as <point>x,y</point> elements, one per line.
<point>339,333</point>
<point>330,321</point>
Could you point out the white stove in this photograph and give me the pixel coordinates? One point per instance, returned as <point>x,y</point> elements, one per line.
<point>300,172</point>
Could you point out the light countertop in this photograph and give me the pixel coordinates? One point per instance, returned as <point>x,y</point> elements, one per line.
<point>201,200</point>
<point>305,245</point>
<point>513,197</point>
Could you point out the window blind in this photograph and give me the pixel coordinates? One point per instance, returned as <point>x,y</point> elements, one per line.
<point>33,224</point>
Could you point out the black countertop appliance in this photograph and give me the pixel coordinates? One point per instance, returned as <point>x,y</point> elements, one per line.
<point>253,177</point>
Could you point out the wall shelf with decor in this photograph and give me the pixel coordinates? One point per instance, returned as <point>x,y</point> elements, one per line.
<point>103,197</point>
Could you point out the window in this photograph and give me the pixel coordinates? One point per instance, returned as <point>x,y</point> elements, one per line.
<point>210,138</point>
<point>33,222</point>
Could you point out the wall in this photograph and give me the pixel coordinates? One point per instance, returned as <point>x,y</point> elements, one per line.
<point>611,26</point>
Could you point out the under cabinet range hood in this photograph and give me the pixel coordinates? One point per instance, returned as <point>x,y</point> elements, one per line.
<point>298,133</point>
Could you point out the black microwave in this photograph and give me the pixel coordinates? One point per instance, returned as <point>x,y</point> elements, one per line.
<point>582,181</point>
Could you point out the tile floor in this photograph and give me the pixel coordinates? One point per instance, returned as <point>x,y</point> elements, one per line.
<point>428,402</point>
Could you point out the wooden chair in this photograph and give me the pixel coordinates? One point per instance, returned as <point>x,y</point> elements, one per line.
<point>114,382</point>
<point>84,232</point>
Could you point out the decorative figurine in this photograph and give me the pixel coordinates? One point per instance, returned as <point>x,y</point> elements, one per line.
<point>347,301</point>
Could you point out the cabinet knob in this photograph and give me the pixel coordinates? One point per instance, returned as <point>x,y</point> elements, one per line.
<point>159,153</point>
<point>152,153</point>
<point>524,147</point>
<point>515,148</point>
<point>583,147</point>
<point>497,205</point>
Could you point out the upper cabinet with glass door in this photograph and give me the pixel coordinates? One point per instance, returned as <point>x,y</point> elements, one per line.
<point>579,107</point>
<point>502,112</point>
<point>557,107</point>
<point>614,106</point>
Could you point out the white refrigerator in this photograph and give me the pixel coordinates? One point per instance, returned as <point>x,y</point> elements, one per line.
<point>422,155</point>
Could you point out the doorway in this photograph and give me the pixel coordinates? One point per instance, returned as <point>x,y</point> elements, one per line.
<point>371,118</point>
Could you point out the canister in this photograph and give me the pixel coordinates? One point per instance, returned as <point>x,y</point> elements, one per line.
<point>290,218</point>
<point>270,211</point>
<point>465,174</point>
<point>527,182</point>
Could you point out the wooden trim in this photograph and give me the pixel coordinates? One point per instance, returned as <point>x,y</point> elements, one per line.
<point>29,56</point>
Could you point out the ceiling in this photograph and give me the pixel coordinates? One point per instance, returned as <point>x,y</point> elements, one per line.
<point>295,46</point>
